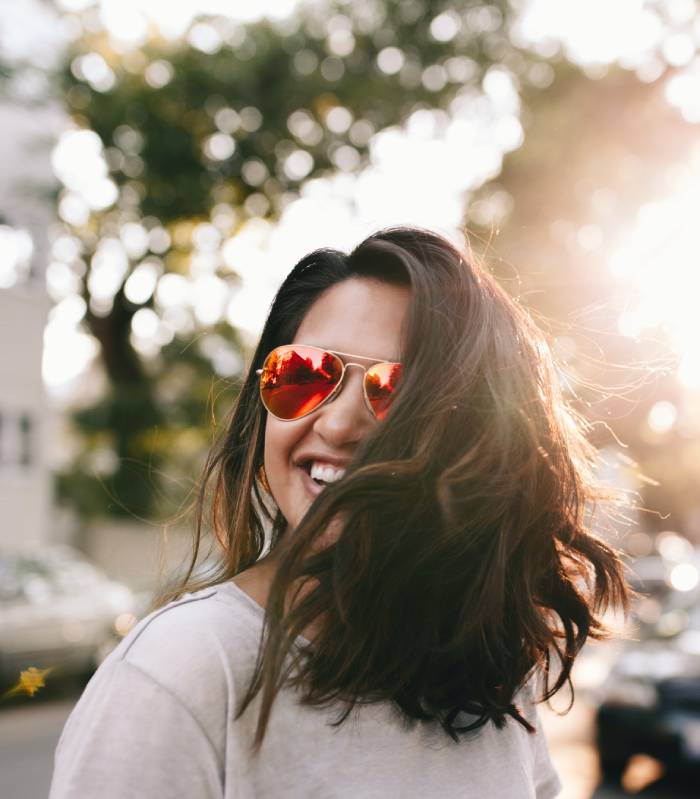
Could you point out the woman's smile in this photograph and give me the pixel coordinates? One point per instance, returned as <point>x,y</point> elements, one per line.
<point>312,485</point>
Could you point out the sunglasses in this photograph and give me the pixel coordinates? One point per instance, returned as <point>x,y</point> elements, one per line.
<point>296,380</point>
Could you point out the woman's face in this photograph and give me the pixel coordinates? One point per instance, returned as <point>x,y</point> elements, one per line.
<point>359,316</point>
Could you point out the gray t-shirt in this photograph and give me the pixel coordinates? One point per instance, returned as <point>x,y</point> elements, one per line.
<point>156,721</point>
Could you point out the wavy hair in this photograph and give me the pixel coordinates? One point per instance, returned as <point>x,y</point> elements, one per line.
<point>464,562</point>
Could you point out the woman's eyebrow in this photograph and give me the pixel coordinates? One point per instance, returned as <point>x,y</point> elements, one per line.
<point>364,357</point>
<point>355,355</point>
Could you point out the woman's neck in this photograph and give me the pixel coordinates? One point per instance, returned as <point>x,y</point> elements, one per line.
<point>256,581</point>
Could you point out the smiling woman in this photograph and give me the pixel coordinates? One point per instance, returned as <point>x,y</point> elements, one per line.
<point>399,501</point>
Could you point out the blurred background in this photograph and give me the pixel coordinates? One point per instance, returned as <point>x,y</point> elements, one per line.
<point>162,167</point>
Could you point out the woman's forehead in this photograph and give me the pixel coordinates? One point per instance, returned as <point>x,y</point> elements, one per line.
<point>347,356</point>
<point>360,316</point>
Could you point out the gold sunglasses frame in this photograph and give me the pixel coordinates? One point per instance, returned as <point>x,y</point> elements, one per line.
<point>336,389</point>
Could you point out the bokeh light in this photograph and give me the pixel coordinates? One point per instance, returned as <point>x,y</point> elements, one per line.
<point>684,577</point>
<point>16,250</point>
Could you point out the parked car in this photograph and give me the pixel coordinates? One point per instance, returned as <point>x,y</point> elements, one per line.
<point>58,610</point>
<point>650,701</point>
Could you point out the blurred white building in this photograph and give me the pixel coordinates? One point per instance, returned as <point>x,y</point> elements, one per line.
<point>25,214</point>
<point>30,120</point>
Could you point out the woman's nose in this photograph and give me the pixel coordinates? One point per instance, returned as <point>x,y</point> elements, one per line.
<point>346,418</point>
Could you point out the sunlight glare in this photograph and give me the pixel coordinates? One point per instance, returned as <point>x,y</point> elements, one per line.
<point>592,32</point>
<point>67,350</point>
<point>682,91</point>
<point>210,294</point>
<point>16,250</point>
<point>658,259</point>
<point>78,162</point>
<point>129,22</point>
<point>109,267</point>
<point>125,20</point>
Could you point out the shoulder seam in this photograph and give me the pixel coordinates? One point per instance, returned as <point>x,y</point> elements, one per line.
<point>158,613</point>
<point>179,701</point>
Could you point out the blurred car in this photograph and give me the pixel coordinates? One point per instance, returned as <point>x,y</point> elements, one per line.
<point>59,610</point>
<point>650,701</point>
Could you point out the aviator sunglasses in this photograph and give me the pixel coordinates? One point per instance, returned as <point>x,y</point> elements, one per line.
<point>296,379</point>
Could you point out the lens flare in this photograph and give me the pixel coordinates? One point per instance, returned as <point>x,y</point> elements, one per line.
<point>657,257</point>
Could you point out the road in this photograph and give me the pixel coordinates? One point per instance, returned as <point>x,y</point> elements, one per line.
<point>29,733</point>
<point>28,737</point>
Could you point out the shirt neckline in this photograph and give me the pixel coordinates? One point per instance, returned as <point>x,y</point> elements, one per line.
<point>252,603</point>
<point>260,610</point>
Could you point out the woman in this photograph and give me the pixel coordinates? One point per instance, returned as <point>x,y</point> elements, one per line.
<point>398,507</point>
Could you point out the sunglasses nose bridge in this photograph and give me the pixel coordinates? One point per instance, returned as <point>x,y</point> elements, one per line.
<point>346,367</point>
<point>342,382</point>
<point>359,366</point>
<point>365,397</point>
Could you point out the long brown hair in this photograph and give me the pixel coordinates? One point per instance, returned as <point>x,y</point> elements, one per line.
<point>465,561</point>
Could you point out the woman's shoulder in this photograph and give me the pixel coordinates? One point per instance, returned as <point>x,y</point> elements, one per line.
<point>218,608</point>
<point>204,638</point>
<point>157,707</point>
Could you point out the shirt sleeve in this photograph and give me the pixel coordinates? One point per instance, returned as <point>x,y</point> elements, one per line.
<point>546,778</point>
<point>547,781</point>
<point>130,736</point>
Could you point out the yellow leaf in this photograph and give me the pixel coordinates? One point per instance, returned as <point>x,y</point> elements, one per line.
<point>29,682</point>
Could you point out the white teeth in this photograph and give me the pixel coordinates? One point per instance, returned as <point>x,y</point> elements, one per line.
<point>322,471</point>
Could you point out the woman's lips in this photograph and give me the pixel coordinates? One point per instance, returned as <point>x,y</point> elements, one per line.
<point>311,485</point>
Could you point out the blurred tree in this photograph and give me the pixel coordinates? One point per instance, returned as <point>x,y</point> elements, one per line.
<point>200,137</point>
<point>204,134</point>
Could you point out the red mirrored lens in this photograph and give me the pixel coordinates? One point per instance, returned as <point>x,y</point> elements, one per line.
<point>381,382</point>
<point>295,380</point>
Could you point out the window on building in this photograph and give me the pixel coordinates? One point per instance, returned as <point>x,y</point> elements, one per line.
<point>26,435</point>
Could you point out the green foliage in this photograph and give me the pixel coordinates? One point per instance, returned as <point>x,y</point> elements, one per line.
<point>272,73</point>
<point>161,428</point>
